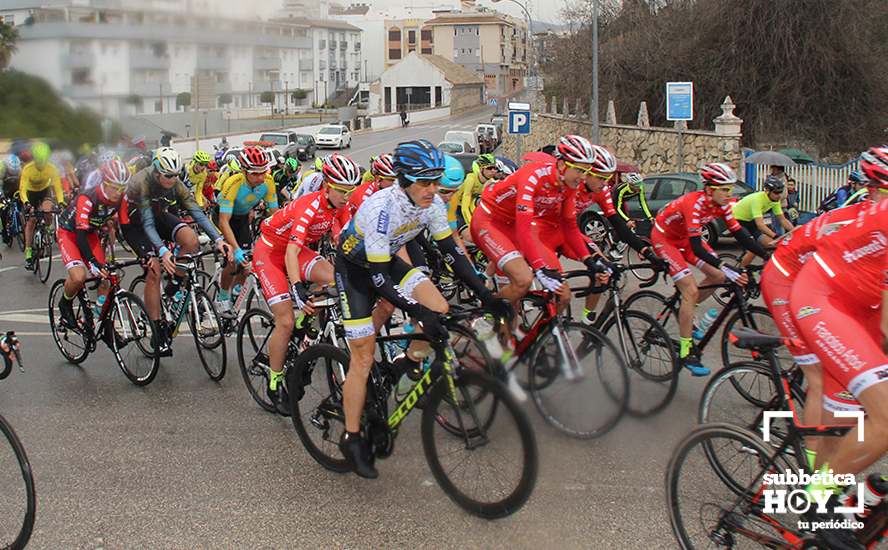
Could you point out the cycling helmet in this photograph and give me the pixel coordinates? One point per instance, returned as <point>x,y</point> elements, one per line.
<point>874,164</point>
<point>633,178</point>
<point>454,174</point>
<point>482,162</point>
<point>857,178</point>
<point>213,166</point>
<point>716,173</point>
<point>505,166</point>
<point>141,162</point>
<point>319,163</point>
<point>106,157</point>
<point>168,162</point>
<point>41,152</point>
<point>774,183</point>
<point>202,157</point>
<point>253,159</point>
<point>234,165</point>
<point>292,164</point>
<point>13,164</point>
<point>115,174</point>
<point>416,160</point>
<point>383,167</point>
<point>341,170</point>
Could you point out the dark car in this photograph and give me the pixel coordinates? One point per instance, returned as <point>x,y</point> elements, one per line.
<point>659,191</point>
<point>485,142</point>
<point>304,148</point>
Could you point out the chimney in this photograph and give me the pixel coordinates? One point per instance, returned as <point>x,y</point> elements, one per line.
<point>468,6</point>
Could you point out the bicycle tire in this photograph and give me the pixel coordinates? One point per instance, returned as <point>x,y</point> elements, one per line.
<point>18,508</point>
<point>644,276</point>
<point>209,339</point>
<point>137,285</point>
<point>724,503</point>
<point>73,344</point>
<point>564,403</point>
<point>654,304</point>
<point>480,445</point>
<point>762,321</point>
<point>132,323</point>
<point>314,383</point>
<point>43,258</point>
<point>20,236</point>
<point>652,363</point>
<point>252,354</point>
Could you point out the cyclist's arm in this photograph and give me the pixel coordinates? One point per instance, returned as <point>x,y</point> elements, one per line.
<point>621,203</point>
<point>467,201</point>
<point>225,229</point>
<point>24,182</point>
<point>271,198</point>
<point>197,214</point>
<point>456,258</point>
<point>572,234</point>
<point>700,251</point>
<point>526,189</point>
<point>745,239</point>
<point>643,202</point>
<point>82,229</point>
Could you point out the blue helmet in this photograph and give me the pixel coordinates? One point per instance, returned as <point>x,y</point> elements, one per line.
<point>857,178</point>
<point>454,174</point>
<point>416,160</point>
<point>13,164</point>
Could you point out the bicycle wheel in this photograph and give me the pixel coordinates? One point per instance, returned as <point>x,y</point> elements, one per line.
<point>18,504</point>
<point>722,295</point>
<point>206,327</point>
<point>256,299</point>
<point>20,223</point>
<point>72,342</point>
<point>43,257</point>
<point>643,275</point>
<point>132,324</point>
<point>137,285</point>
<point>252,354</point>
<point>654,304</point>
<point>490,471</point>
<point>315,386</point>
<point>711,481</point>
<point>592,400</point>
<point>761,321</point>
<point>651,359</point>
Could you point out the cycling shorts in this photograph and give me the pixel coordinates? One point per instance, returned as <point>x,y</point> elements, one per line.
<point>36,198</point>
<point>240,226</point>
<point>775,292</point>
<point>461,224</point>
<point>167,226</point>
<point>71,256</point>
<point>358,295</point>
<point>843,333</point>
<point>752,228</point>
<point>495,238</point>
<point>271,268</point>
<point>550,243</point>
<point>677,253</point>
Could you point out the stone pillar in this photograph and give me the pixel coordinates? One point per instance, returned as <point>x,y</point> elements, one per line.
<point>577,109</point>
<point>565,110</point>
<point>611,117</point>
<point>728,123</point>
<point>554,109</point>
<point>643,119</point>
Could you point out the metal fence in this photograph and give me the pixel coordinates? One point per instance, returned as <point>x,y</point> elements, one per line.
<point>815,181</point>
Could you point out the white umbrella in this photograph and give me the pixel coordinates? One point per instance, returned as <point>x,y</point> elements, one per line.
<point>770,158</point>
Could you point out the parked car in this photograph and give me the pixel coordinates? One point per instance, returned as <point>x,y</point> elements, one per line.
<point>451,147</point>
<point>659,191</point>
<point>498,122</point>
<point>304,148</point>
<point>333,135</point>
<point>468,137</point>
<point>279,140</point>
<point>493,131</point>
<point>485,141</point>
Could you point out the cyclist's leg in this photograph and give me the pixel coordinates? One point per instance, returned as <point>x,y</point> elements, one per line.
<point>592,300</point>
<point>497,241</point>
<point>240,226</point>
<point>271,270</point>
<point>142,247</point>
<point>47,205</point>
<point>548,239</point>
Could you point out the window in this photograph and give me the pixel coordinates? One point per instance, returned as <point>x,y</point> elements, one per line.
<point>394,53</point>
<point>454,31</point>
<point>455,53</point>
<point>395,35</point>
<point>426,35</point>
<point>158,107</point>
<point>411,37</point>
<point>9,19</point>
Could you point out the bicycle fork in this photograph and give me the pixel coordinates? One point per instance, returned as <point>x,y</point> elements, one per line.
<point>569,365</point>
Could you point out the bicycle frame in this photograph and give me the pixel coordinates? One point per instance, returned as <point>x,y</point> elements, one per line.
<point>735,303</point>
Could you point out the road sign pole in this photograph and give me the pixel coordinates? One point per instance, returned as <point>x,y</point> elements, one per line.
<point>518,139</point>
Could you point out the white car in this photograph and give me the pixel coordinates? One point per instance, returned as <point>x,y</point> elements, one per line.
<point>334,135</point>
<point>454,147</point>
<point>467,137</point>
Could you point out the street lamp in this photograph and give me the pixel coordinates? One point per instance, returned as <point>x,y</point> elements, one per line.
<point>187,130</point>
<point>530,31</point>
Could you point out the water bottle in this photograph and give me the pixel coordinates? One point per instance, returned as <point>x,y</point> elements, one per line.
<point>99,303</point>
<point>178,302</point>
<point>874,491</point>
<point>704,325</point>
<point>312,336</point>
<point>236,291</point>
<point>409,328</point>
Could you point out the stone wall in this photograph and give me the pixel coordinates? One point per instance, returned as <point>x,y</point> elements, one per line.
<point>464,97</point>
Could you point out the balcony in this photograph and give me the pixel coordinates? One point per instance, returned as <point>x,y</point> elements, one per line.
<point>332,44</point>
<point>322,64</point>
<point>217,63</point>
<point>343,65</point>
<point>223,87</point>
<point>322,44</point>
<point>266,63</point>
<point>77,91</point>
<point>148,61</point>
<point>332,64</point>
<point>343,45</point>
<point>149,89</point>
<point>357,46</point>
<point>79,60</point>
<point>306,64</point>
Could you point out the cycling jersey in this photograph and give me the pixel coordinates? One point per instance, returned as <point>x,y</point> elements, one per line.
<point>301,222</point>
<point>196,181</point>
<point>797,247</point>
<point>238,198</point>
<point>686,216</point>
<point>10,181</point>
<point>33,179</point>
<point>755,205</point>
<point>367,177</point>
<point>465,198</point>
<point>310,184</point>
<point>91,212</point>
<point>359,195</point>
<point>623,194</point>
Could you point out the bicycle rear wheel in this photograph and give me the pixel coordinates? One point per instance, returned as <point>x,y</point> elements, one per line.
<point>132,324</point>
<point>314,383</point>
<point>209,339</point>
<point>252,354</point>
<point>711,482</point>
<point>72,342</point>
<point>488,470</point>
<point>761,321</point>
<point>592,400</point>
<point>18,504</point>
<point>43,257</point>
<point>20,223</point>
<point>654,304</point>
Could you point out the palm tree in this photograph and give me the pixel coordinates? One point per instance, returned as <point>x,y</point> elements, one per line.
<point>9,35</point>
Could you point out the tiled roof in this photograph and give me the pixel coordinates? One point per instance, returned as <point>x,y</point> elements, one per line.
<point>452,72</point>
<point>469,18</point>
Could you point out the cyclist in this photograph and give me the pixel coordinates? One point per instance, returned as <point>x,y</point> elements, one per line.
<point>383,170</point>
<point>150,194</point>
<point>633,186</point>
<point>39,179</point>
<point>94,178</point>
<point>677,239</point>
<point>840,305</point>
<point>367,267</point>
<point>368,174</point>
<point>10,176</point>
<point>750,211</point>
<point>230,169</point>
<point>240,194</point>
<point>285,178</point>
<point>78,233</point>
<point>197,175</point>
<point>311,181</point>
<point>854,189</point>
<point>283,260</point>
<point>462,204</point>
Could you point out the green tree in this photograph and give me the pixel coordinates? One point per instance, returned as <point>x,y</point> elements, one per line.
<point>183,100</point>
<point>225,99</point>
<point>299,94</point>
<point>267,97</point>
<point>9,35</point>
<point>136,101</point>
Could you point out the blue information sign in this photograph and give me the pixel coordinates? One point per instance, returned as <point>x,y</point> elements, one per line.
<point>493,101</point>
<point>679,101</point>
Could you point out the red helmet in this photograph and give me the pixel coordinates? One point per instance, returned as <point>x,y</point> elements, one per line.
<point>574,148</point>
<point>341,170</point>
<point>253,159</point>
<point>874,165</point>
<point>383,166</point>
<point>716,173</point>
<point>115,174</point>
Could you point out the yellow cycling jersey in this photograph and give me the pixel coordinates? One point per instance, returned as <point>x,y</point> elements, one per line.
<point>464,198</point>
<point>368,176</point>
<point>197,183</point>
<point>34,179</point>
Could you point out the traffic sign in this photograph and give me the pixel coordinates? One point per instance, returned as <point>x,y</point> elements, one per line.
<point>519,106</point>
<point>519,122</point>
<point>493,102</point>
<point>679,101</point>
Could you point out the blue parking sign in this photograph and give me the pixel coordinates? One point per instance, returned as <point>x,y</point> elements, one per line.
<point>519,122</point>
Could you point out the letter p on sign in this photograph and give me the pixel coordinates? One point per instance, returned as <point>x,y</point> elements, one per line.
<point>519,122</point>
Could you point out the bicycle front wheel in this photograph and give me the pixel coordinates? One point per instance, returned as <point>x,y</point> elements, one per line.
<point>578,381</point>
<point>43,258</point>
<point>73,342</point>
<point>17,501</point>
<point>711,483</point>
<point>132,324</point>
<point>253,334</point>
<point>488,470</point>
<point>654,304</point>
<point>206,327</point>
<point>20,223</point>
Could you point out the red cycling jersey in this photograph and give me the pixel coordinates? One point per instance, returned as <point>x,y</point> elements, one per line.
<point>686,216</point>
<point>534,191</point>
<point>797,248</point>
<point>584,199</point>
<point>301,222</point>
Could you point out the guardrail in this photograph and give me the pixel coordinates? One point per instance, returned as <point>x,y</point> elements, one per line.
<point>815,181</point>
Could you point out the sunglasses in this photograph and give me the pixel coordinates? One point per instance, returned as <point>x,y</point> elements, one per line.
<point>426,174</point>
<point>387,179</point>
<point>590,172</point>
<point>425,182</point>
<point>256,172</point>
<point>342,190</point>
<point>728,188</point>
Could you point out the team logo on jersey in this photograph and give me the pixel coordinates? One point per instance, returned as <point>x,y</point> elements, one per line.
<point>780,302</point>
<point>807,311</point>
<point>257,263</point>
<point>522,208</point>
<point>846,395</point>
<point>382,224</point>
<point>378,280</point>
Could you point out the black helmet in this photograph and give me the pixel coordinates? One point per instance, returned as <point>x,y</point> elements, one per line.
<point>774,184</point>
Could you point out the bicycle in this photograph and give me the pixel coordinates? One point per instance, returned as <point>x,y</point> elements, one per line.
<point>733,510</point>
<point>251,291</point>
<point>18,504</point>
<point>466,412</point>
<point>44,236</point>
<point>597,228</point>
<point>122,319</point>
<point>13,221</point>
<point>647,348</point>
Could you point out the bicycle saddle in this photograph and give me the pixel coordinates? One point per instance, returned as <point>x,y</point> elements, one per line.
<point>747,338</point>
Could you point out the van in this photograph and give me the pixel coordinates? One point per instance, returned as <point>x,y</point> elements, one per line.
<point>468,137</point>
